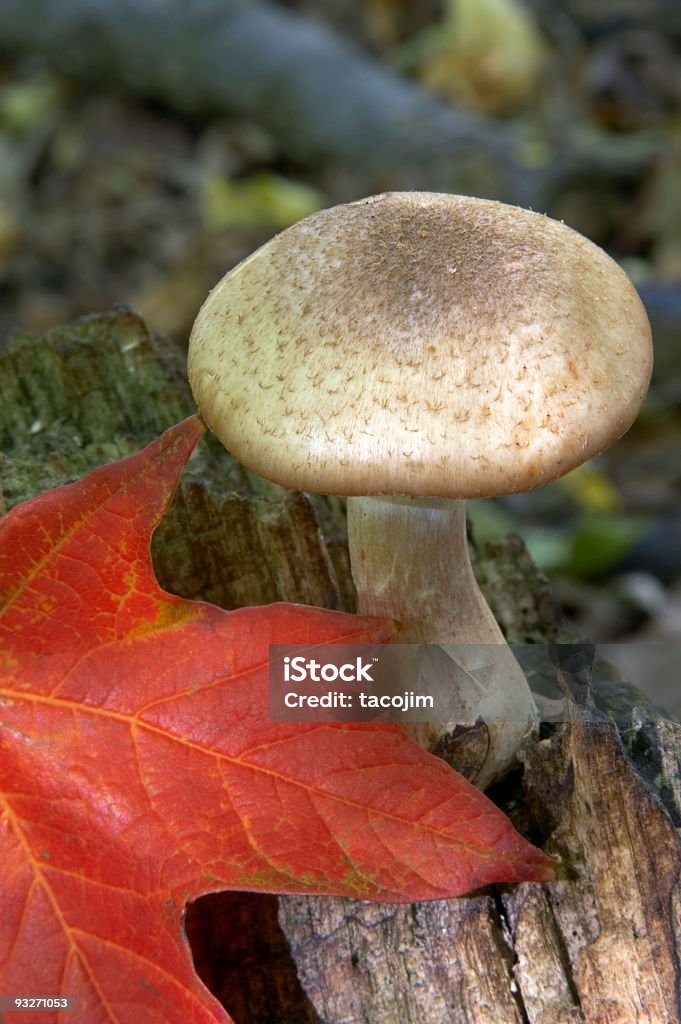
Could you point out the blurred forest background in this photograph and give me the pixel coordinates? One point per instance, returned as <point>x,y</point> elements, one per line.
<point>146,147</point>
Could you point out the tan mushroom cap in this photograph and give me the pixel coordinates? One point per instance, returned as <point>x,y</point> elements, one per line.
<point>425,344</point>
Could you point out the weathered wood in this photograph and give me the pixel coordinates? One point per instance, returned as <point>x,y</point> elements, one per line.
<point>599,947</point>
<point>431,963</point>
<point>618,919</point>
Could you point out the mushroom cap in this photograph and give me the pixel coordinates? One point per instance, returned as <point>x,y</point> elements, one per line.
<point>424,344</point>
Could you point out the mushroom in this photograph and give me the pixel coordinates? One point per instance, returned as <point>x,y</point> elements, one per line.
<point>410,351</point>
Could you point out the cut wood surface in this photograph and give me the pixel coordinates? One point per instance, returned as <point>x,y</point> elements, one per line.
<point>600,946</point>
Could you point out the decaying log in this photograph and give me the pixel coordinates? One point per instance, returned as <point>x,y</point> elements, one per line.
<point>601,946</point>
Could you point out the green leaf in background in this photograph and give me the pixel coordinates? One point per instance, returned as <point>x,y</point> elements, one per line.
<point>591,490</point>
<point>262,200</point>
<point>26,104</point>
<point>595,545</point>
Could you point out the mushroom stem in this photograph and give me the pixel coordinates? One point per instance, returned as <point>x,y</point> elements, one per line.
<point>410,562</point>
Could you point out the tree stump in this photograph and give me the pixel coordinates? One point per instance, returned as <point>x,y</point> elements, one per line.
<point>600,946</point>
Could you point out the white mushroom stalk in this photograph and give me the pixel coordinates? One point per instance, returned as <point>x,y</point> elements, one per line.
<point>434,596</point>
<point>431,346</point>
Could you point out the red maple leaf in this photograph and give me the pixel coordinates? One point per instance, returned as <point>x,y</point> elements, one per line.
<point>139,770</point>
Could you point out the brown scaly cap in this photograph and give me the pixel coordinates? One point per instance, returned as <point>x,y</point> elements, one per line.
<point>424,344</point>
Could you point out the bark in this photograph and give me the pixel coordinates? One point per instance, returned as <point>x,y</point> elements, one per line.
<point>600,946</point>
<point>320,97</point>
